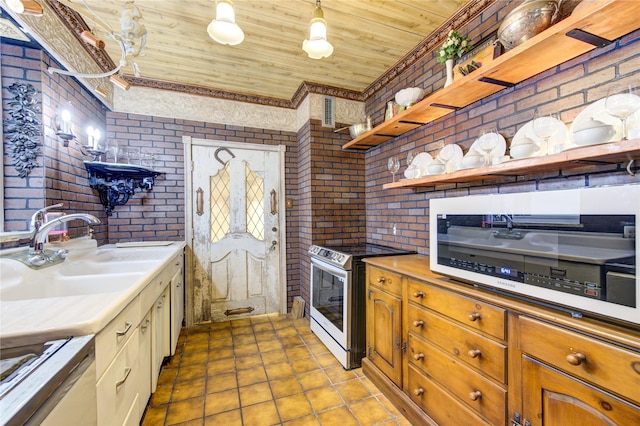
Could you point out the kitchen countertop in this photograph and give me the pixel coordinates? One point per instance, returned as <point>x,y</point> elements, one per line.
<point>29,321</point>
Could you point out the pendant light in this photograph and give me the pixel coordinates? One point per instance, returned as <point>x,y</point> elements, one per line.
<point>224,29</point>
<point>27,7</point>
<point>317,46</point>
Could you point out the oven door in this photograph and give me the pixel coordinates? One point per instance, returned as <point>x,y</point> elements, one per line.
<point>330,298</point>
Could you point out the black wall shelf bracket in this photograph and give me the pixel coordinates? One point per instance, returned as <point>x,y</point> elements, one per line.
<point>116,183</point>
<point>496,82</point>
<point>437,105</point>
<point>588,38</point>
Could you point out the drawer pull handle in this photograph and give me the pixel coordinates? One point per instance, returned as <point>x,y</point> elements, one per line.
<point>419,356</point>
<point>576,358</point>
<point>126,329</point>
<point>418,323</point>
<point>381,280</point>
<point>127,371</point>
<point>475,395</point>
<point>418,391</point>
<point>475,316</point>
<point>418,294</point>
<point>474,353</point>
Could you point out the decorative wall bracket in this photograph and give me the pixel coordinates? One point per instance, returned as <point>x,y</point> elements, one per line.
<point>116,183</point>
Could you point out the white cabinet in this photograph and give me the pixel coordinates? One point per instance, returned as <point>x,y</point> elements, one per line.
<point>160,337</point>
<point>130,350</point>
<point>118,388</point>
<point>177,303</point>
<point>144,343</point>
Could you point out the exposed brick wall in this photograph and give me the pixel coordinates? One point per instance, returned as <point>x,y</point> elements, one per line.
<point>331,195</point>
<point>22,196</point>
<point>61,176</point>
<point>159,214</point>
<point>566,89</point>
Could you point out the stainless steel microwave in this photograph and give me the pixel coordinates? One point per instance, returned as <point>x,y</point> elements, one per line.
<point>575,250</point>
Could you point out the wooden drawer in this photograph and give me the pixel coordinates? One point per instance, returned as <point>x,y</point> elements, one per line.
<point>480,352</point>
<point>388,281</point>
<point>113,337</point>
<point>471,312</point>
<point>437,403</point>
<point>117,390</point>
<point>604,364</point>
<point>483,396</point>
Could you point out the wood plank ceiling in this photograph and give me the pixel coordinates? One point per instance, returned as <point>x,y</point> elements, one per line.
<point>369,37</point>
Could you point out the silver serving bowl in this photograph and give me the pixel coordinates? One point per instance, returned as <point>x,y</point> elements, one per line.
<point>527,20</point>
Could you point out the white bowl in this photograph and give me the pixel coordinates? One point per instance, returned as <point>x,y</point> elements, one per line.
<point>594,135</point>
<point>472,160</point>
<point>524,150</point>
<point>409,96</point>
<point>436,168</point>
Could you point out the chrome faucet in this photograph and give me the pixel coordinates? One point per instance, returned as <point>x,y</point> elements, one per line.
<point>37,220</point>
<point>38,257</point>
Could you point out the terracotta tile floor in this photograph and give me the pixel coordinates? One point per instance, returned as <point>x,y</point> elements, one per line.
<point>266,370</point>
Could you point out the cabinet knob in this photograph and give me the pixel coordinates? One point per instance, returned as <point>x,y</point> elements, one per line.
<point>474,353</point>
<point>418,391</point>
<point>576,358</point>
<point>475,316</point>
<point>418,294</point>
<point>419,356</point>
<point>475,395</point>
<point>381,280</point>
<point>418,323</point>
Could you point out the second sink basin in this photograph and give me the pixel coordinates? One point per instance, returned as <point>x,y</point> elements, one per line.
<point>61,286</point>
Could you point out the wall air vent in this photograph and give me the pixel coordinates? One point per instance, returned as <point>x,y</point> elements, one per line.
<point>328,111</point>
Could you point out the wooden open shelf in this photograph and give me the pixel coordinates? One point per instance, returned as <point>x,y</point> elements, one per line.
<point>605,19</point>
<point>608,153</point>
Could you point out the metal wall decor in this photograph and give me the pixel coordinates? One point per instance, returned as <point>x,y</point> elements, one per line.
<point>116,183</point>
<point>23,128</point>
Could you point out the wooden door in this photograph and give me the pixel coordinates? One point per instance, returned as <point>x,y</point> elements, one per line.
<point>236,214</point>
<point>553,398</point>
<point>384,327</point>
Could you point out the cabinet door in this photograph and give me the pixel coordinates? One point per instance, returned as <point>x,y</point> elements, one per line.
<point>177,308</point>
<point>551,398</point>
<point>144,361</point>
<point>384,325</point>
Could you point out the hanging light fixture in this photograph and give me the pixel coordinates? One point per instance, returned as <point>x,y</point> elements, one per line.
<point>27,7</point>
<point>317,46</point>
<point>224,29</point>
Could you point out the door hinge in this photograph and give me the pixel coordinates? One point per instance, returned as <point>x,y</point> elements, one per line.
<point>369,294</point>
<point>397,343</point>
<point>516,420</point>
<point>369,351</point>
<point>404,347</point>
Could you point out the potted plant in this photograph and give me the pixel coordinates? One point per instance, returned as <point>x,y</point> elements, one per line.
<point>453,48</point>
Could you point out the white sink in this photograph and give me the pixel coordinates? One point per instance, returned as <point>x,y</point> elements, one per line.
<point>60,286</point>
<point>82,267</point>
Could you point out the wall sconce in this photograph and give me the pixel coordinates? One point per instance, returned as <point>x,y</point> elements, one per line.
<point>93,137</point>
<point>63,124</point>
<point>224,29</point>
<point>120,82</point>
<point>317,46</point>
<point>26,7</point>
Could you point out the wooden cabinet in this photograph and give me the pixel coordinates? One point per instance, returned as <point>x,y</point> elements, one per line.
<point>568,375</point>
<point>469,356</point>
<point>384,322</point>
<point>160,335</point>
<point>551,397</point>
<point>608,19</point>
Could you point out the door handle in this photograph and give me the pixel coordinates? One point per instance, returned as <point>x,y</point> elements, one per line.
<point>274,202</point>
<point>274,243</point>
<point>199,202</point>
